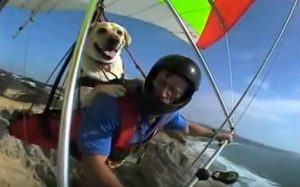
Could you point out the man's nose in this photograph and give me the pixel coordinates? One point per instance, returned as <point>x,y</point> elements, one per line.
<point>164,92</point>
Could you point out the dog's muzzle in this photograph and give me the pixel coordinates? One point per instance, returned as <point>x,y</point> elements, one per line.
<point>107,53</point>
<point>112,43</point>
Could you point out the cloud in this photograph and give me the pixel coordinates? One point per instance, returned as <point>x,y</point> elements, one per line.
<point>245,55</point>
<point>206,109</point>
<point>275,110</point>
<point>248,53</point>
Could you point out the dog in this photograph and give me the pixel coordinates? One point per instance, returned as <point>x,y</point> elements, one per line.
<point>101,59</point>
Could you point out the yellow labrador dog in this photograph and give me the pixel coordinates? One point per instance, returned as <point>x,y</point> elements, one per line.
<point>101,59</point>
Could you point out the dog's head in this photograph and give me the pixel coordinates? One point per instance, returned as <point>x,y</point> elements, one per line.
<point>105,41</point>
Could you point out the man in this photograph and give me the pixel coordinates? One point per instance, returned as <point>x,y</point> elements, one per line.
<point>148,107</point>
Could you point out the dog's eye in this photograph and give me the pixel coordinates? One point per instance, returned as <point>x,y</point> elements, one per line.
<point>119,32</point>
<point>102,30</point>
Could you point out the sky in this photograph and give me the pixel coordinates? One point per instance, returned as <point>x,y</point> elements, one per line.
<point>271,118</point>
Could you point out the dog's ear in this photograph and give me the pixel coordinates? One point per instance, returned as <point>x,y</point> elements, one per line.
<point>127,38</point>
<point>92,26</point>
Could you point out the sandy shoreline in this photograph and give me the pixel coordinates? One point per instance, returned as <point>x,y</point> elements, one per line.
<point>10,105</point>
<point>15,168</point>
<point>14,174</point>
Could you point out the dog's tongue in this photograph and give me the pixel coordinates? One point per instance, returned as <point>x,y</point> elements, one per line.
<point>110,53</point>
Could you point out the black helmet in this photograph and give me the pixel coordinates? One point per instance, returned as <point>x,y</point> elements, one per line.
<point>179,65</point>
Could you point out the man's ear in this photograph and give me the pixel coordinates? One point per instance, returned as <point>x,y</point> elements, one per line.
<point>127,38</point>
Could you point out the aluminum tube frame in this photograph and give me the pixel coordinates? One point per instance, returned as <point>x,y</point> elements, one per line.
<point>67,108</point>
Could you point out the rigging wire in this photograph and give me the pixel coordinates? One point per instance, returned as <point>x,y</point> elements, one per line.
<point>230,72</point>
<point>224,28</point>
<point>28,39</point>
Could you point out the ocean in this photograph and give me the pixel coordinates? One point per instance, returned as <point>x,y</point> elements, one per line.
<point>258,166</point>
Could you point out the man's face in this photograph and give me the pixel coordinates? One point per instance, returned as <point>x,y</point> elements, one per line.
<point>169,87</point>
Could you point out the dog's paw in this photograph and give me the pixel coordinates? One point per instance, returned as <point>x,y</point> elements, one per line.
<point>113,90</point>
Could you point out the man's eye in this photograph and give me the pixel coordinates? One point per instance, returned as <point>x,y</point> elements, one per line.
<point>176,92</point>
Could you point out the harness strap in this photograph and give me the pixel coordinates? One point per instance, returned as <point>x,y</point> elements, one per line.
<point>129,121</point>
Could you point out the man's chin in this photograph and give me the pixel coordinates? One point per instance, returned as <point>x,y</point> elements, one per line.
<point>162,100</point>
<point>166,101</point>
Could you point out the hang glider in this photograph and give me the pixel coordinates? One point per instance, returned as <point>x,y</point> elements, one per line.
<point>207,21</point>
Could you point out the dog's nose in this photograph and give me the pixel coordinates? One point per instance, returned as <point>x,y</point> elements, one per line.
<point>113,41</point>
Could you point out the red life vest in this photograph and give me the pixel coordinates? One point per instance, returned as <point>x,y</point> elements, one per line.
<point>129,122</point>
<point>29,128</point>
